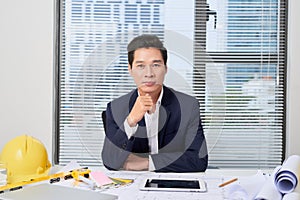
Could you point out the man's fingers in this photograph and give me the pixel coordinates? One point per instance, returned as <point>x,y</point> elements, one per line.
<point>146,102</point>
<point>142,105</point>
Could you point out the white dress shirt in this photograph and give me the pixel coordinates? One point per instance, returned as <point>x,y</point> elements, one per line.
<point>151,121</point>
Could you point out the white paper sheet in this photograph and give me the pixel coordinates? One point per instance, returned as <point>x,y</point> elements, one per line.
<point>269,190</point>
<point>246,187</point>
<point>291,196</point>
<point>72,165</point>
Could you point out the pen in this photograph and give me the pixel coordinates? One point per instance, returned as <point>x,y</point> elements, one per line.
<point>228,182</point>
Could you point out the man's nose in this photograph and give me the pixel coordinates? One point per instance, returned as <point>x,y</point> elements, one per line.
<point>149,71</point>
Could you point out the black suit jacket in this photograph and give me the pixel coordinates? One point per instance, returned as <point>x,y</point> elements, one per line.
<point>181,142</point>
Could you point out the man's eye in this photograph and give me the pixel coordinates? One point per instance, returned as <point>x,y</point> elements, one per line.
<point>156,65</point>
<point>140,66</point>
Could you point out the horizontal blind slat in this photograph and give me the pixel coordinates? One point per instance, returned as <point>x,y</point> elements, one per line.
<point>238,75</point>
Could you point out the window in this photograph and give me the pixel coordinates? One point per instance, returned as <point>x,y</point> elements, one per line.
<point>230,54</point>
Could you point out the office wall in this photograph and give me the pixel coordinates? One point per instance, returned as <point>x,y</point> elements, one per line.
<point>26,69</point>
<point>27,65</point>
<point>293,101</point>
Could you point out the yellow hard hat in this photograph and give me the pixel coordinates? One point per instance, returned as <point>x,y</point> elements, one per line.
<point>25,158</point>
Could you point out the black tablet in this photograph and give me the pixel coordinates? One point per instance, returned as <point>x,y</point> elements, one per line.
<point>174,184</point>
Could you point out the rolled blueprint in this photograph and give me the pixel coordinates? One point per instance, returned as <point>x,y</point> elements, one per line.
<point>287,177</point>
<point>269,190</point>
<point>295,195</point>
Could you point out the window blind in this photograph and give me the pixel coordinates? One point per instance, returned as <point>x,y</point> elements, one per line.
<point>229,54</point>
<point>244,62</point>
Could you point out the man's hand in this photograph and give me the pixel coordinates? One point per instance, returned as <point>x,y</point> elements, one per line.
<point>142,105</point>
<point>136,163</point>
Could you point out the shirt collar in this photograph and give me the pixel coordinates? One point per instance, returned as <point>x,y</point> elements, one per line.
<point>160,96</point>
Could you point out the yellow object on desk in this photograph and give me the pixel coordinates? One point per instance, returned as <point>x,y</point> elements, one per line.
<point>52,178</point>
<point>121,181</point>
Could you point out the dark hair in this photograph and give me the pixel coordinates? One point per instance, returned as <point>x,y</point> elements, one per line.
<point>146,41</point>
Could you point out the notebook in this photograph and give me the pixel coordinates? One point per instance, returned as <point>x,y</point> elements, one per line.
<point>50,192</point>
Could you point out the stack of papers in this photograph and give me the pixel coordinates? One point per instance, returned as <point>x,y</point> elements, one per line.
<point>100,178</point>
<point>282,184</point>
<point>97,179</point>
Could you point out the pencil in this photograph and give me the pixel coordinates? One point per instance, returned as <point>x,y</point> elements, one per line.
<point>228,182</point>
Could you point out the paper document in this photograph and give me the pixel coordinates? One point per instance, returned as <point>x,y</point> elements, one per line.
<point>284,182</point>
<point>269,190</point>
<point>246,187</point>
<point>100,178</point>
<point>72,165</point>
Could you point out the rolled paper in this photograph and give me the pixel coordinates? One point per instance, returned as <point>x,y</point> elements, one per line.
<point>287,177</point>
<point>269,190</point>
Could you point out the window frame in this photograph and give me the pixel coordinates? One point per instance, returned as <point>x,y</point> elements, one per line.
<point>215,56</point>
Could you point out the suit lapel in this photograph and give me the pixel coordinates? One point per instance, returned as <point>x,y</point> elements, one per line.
<point>165,111</point>
<point>164,116</point>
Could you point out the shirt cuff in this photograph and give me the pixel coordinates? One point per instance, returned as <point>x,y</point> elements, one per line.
<point>130,131</point>
<point>151,164</point>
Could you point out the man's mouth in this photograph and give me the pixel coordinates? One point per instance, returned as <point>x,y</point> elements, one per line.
<point>149,84</point>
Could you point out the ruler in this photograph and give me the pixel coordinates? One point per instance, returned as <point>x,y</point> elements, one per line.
<point>52,179</point>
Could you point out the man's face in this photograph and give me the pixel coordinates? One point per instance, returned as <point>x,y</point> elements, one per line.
<point>148,70</point>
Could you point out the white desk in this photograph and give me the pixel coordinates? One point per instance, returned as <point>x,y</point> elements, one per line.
<point>212,177</point>
<point>249,183</point>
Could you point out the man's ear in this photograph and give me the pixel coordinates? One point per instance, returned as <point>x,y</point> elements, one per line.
<point>130,69</point>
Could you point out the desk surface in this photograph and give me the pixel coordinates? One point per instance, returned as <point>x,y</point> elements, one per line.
<point>213,179</point>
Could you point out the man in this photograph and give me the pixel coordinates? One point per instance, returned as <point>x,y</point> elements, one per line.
<point>153,127</point>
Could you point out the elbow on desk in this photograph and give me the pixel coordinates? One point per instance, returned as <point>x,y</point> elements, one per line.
<point>199,166</point>
<point>183,166</point>
<point>109,168</point>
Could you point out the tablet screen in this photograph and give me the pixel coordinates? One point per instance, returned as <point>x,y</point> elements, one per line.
<point>174,184</point>
<point>161,183</point>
